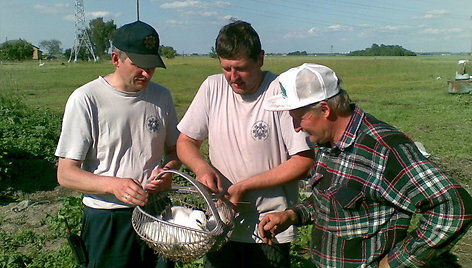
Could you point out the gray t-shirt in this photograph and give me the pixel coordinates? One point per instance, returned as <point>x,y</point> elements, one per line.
<point>244,140</point>
<point>117,133</point>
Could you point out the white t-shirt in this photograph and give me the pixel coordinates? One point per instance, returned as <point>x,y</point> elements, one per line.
<point>117,133</point>
<point>244,140</point>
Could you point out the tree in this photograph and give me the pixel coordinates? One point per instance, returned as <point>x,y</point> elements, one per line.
<point>16,50</point>
<point>383,50</point>
<point>168,52</point>
<point>101,34</point>
<point>52,46</point>
<point>82,55</point>
<point>297,53</point>
<point>213,53</point>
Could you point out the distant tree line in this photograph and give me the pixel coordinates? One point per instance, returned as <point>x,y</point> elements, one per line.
<point>100,32</point>
<point>383,50</point>
<point>297,53</point>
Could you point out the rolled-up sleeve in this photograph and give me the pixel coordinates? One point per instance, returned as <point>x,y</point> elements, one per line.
<point>416,185</point>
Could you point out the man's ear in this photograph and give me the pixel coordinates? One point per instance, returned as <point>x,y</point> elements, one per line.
<point>115,59</point>
<point>325,109</point>
<point>260,58</point>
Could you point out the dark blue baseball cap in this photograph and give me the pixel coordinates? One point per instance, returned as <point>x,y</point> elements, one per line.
<point>140,42</point>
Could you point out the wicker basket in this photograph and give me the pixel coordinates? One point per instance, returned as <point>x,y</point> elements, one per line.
<point>177,242</point>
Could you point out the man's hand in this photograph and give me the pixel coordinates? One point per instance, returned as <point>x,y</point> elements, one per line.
<point>235,193</point>
<point>162,184</point>
<point>210,178</point>
<point>274,223</point>
<point>129,191</point>
<point>384,263</point>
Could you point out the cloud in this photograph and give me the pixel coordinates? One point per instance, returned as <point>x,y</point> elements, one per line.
<point>392,28</point>
<point>435,13</point>
<point>230,18</point>
<point>176,22</point>
<point>195,8</point>
<point>98,14</point>
<point>220,4</point>
<point>441,31</point>
<point>182,4</point>
<point>312,30</point>
<point>338,27</point>
<point>59,8</point>
<point>294,35</point>
<point>202,13</point>
<point>195,4</point>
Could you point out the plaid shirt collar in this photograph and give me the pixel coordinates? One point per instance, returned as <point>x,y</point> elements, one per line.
<point>351,131</point>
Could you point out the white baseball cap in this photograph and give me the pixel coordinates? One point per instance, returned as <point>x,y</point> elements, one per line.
<point>303,85</point>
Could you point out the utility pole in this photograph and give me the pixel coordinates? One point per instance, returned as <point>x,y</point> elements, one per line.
<point>137,9</point>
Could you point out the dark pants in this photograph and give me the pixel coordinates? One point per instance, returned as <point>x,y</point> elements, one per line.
<point>248,255</point>
<point>111,241</point>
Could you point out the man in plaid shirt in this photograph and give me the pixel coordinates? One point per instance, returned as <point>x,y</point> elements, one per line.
<point>368,181</point>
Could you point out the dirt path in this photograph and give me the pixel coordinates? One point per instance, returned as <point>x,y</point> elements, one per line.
<point>31,214</point>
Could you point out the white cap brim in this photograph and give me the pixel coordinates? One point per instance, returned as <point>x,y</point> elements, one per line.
<point>279,103</point>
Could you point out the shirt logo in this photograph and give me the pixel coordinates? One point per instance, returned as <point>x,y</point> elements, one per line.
<point>284,91</point>
<point>153,124</point>
<point>260,131</point>
<point>150,42</point>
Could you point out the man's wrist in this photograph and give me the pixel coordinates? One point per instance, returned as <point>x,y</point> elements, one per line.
<point>292,216</point>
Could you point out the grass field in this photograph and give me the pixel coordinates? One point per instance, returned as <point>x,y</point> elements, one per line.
<point>407,92</point>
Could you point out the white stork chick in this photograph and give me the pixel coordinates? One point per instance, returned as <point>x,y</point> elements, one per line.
<point>188,217</point>
<point>198,220</point>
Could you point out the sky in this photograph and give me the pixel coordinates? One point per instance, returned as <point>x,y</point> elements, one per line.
<point>314,26</point>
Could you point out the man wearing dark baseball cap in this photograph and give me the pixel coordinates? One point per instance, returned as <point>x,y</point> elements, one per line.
<point>140,41</point>
<point>117,129</point>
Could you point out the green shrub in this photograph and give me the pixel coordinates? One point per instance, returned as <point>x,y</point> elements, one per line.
<point>25,133</point>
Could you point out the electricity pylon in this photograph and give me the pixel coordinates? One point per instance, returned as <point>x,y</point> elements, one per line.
<point>81,35</point>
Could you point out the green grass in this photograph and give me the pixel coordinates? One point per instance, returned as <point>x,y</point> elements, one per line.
<point>403,91</point>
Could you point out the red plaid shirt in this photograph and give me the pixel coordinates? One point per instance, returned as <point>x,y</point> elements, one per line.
<point>365,192</point>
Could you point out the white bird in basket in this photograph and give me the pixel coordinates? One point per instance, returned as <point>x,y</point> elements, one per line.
<point>188,217</point>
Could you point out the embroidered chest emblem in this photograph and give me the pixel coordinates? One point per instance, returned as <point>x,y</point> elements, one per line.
<point>260,131</point>
<point>153,124</point>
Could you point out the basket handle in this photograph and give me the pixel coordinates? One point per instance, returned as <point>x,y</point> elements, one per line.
<point>204,191</point>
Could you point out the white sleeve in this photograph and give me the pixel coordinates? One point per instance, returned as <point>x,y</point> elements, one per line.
<point>195,121</point>
<point>76,136</point>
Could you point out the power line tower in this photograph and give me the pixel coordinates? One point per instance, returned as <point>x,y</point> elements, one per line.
<point>81,36</point>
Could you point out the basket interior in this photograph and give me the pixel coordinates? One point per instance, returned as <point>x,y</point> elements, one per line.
<point>175,241</point>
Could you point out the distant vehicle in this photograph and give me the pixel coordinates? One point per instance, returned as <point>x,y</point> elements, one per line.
<point>51,57</point>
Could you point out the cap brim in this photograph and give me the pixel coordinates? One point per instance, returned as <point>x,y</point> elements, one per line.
<point>146,61</point>
<point>279,103</point>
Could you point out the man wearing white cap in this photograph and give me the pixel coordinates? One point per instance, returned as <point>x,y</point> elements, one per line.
<point>367,182</point>
<point>117,129</point>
